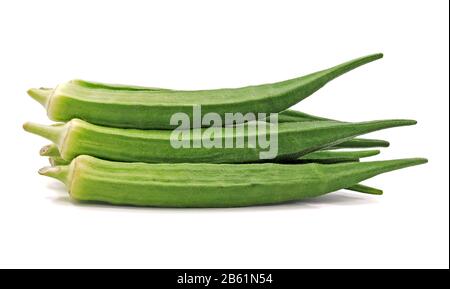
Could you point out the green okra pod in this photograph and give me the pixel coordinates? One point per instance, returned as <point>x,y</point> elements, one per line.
<point>323,157</point>
<point>58,161</point>
<point>210,185</point>
<point>293,140</point>
<point>284,116</point>
<point>153,109</point>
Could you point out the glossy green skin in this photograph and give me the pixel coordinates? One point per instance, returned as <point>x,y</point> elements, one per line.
<point>153,109</point>
<point>294,140</point>
<point>210,185</point>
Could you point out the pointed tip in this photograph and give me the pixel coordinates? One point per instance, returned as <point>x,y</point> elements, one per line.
<point>370,153</point>
<point>365,189</point>
<point>405,122</point>
<point>418,161</point>
<point>412,161</point>
<point>391,165</point>
<point>378,55</point>
<point>350,65</point>
<point>386,123</point>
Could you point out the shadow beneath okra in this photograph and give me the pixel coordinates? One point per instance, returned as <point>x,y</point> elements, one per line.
<point>58,187</point>
<point>339,198</point>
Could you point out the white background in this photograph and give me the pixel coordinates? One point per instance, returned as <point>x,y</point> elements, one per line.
<point>211,44</point>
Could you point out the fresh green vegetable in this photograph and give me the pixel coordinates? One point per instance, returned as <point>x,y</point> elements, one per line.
<point>210,185</point>
<point>323,157</point>
<point>78,137</point>
<point>319,157</point>
<point>284,116</point>
<point>153,109</point>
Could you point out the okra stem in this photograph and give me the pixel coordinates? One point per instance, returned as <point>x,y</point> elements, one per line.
<point>60,173</point>
<point>41,95</point>
<point>50,150</point>
<point>51,132</point>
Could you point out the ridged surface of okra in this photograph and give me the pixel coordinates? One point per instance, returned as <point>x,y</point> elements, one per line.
<point>288,115</point>
<point>153,109</point>
<point>324,157</point>
<point>210,185</point>
<point>293,140</point>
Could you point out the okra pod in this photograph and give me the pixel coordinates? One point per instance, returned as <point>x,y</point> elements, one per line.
<point>338,157</point>
<point>323,157</point>
<point>210,185</point>
<point>153,109</point>
<point>293,140</point>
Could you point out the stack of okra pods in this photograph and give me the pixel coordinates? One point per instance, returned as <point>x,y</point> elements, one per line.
<point>120,144</point>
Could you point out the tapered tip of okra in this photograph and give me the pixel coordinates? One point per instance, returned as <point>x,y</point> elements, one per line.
<point>392,165</point>
<point>340,69</point>
<point>365,189</point>
<point>41,95</point>
<point>367,153</point>
<point>404,122</point>
<point>363,143</point>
